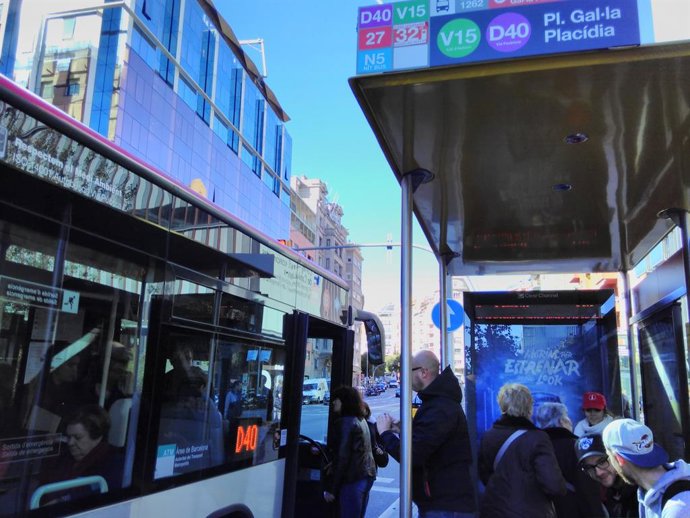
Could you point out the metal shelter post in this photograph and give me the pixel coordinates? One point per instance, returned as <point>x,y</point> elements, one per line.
<point>406,348</point>
<point>446,355</point>
<point>450,344</point>
<point>626,301</point>
<point>409,183</point>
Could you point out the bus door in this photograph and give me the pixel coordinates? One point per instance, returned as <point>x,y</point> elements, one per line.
<point>320,356</point>
<point>664,379</point>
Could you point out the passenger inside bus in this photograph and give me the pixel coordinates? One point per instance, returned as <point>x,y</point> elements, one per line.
<point>233,401</point>
<point>189,419</point>
<point>118,379</point>
<point>182,372</point>
<point>47,405</point>
<point>88,453</point>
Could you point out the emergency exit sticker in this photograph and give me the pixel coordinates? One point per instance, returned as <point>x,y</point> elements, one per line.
<point>70,301</point>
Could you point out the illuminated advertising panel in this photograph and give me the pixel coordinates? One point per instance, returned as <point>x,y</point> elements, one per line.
<point>554,342</point>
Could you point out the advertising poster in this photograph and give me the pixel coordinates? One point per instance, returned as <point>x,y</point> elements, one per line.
<point>558,363</point>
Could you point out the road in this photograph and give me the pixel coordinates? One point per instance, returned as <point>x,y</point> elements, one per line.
<point>384,496</point>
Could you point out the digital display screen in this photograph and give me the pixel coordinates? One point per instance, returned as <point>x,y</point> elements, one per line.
<point>519,312</point>
<point>244,437</point>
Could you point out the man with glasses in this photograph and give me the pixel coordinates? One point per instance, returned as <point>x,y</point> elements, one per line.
<point>442,485</point>
<point>619,498</point>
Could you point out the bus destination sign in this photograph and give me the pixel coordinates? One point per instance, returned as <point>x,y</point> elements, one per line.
<point>430,33</point>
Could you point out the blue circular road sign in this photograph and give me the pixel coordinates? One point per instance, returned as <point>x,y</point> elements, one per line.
<point>455,314</point>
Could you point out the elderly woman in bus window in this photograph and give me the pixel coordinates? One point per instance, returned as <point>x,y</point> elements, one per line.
<point>88,453</point>
<point>523,477</point>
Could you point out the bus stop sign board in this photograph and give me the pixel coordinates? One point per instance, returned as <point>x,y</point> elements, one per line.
<point>429,33</point>
<point>455,315</point>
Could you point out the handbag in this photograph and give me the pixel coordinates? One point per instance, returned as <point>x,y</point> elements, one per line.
<point>378,451</point>
<point>380,455</point>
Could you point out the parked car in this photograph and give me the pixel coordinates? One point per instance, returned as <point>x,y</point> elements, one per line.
<point>371,390</point>
<point>416,400</point>
<point>314,390</point>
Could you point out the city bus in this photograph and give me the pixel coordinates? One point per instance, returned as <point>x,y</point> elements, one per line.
<point>153,347</point>
<point>545,137</point>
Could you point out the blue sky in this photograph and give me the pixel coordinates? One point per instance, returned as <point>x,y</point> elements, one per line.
<point>311,50</point>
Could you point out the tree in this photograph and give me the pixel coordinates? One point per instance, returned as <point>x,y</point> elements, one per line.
<point>393,363</point>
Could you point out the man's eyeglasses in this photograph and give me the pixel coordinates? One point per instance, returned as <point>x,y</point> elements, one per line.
<point>416,368</point>
<point>590,469</point>
<point>594,409</point>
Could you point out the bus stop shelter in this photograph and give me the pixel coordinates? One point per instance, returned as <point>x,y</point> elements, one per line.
<point>576,161</point>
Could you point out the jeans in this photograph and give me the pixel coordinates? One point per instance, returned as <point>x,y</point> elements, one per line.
<point>445,514</point>
<point>354,498</point>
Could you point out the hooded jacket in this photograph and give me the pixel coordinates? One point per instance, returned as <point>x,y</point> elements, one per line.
<point>527,476</point>
<point>441,455</point>
<point>676,507</point>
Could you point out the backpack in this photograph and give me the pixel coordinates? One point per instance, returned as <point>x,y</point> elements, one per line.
<point>679,486</point>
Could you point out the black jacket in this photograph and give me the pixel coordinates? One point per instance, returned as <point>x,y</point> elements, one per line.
<point>526,478</point>
<point>583,498</point>
<point>441,456</point>
<point>353,456</point>
<point>621,500</point>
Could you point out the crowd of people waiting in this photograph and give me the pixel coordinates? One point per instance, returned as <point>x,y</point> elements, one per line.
<point>530,465</point>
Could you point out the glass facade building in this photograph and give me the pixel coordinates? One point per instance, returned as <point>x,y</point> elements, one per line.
<point>167,81</point>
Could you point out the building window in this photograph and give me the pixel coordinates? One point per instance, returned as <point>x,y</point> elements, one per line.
<point>144,10</point>
<point>206,61</point>
<point>328,242</point>
<point>171,14</point>
<point>328,263</point>
<point>68,25</point>
<point>47,91</point>
<point>72,89</point>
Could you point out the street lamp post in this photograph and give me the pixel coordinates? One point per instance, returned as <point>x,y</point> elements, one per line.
<point>373,374</point>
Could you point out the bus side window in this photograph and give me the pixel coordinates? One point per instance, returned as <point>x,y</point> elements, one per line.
<point>191,426</point>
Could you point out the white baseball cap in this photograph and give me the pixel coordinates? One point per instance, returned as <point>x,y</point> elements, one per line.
<point>634,442</point>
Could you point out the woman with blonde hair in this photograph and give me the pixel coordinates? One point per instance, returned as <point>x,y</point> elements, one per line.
<point>517,463</point>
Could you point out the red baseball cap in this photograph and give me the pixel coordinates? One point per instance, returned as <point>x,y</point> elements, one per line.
<point>593,400</point>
